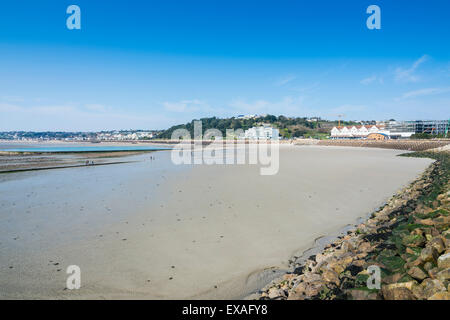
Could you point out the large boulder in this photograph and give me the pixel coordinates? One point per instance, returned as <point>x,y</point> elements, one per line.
<point>442,222</point>
<point>296,296</point>
<point>444,261</point>
<point>361,294</point>
<point>438,244</point>
<point>428,266</point>
<point>440,296</point>
<point>427,222</point>
<point>429,253</point>
<point>275,293</point>
<point>313,289</point>
<point>417,273</point>
<point>433,272</point>
<point>331,276</point>
<point>394,278</point>
<point>418,292</point>
<point>414,263</point>
<point>365,247</point>
<point>400,293</point>
<point>443,275</point>
<point>432,286</point>
<point>308,289</point>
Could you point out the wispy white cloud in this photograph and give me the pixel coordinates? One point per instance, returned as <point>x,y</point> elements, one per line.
<point>97,107</point>
<point>57,110</point>
<point>408,75</point>
<point>186,105</point>
<point>8,107</point>
<point>287,105</point>
<point>424,92</point>
<point>308,88</point>
<point>372,79</point>
<point>246,107</point>
<point>346,109</point>
<point>284,80</point>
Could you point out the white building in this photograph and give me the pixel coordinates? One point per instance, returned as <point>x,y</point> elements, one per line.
<point>246,117</point>
<point>264,132</point>
<point>357,131</point>
<point>400,129</point>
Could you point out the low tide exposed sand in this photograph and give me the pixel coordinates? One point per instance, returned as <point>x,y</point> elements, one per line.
<point>14,161</point>
<point>149,229</point>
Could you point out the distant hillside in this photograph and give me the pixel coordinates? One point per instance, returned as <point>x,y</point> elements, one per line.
<point>289,127</point>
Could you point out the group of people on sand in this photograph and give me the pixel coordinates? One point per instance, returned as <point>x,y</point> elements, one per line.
<point>89,163</point>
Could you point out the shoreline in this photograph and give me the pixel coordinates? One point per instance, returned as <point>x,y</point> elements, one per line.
<point>407,145</point>
<point>11,162</point>
<point>203,227</point>
<point>63,167</point>
<point>104,153</point>
<point>337,268</point>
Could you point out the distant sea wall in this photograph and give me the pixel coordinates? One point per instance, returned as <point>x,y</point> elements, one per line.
<point>410,145</point>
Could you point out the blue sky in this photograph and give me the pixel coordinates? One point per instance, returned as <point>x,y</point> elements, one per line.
<point>152,64</point>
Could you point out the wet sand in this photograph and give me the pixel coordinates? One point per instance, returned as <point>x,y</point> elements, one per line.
<point>14,161</point>
<point>153,230</point>
<point>23,161</point>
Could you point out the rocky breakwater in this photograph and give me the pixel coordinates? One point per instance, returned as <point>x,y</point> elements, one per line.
<point>411,145</point>
<point>408,239</point>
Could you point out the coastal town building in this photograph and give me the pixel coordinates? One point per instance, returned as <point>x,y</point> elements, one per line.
<point>245,117</point>
<point>138,135</point>
<point>377,136</point>
<point>430,126</point>
<point>400,129</point>
<point>405,129</point>
<point>264,132</point>
<point>391,129</point>
<point>357,132</point>
<point>79,136</point>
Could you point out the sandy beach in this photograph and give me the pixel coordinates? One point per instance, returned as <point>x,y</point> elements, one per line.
<point>151,230</point>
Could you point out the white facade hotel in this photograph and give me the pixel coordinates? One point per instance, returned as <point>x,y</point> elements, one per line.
<point>263,132</point>
<point>357,131</point>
